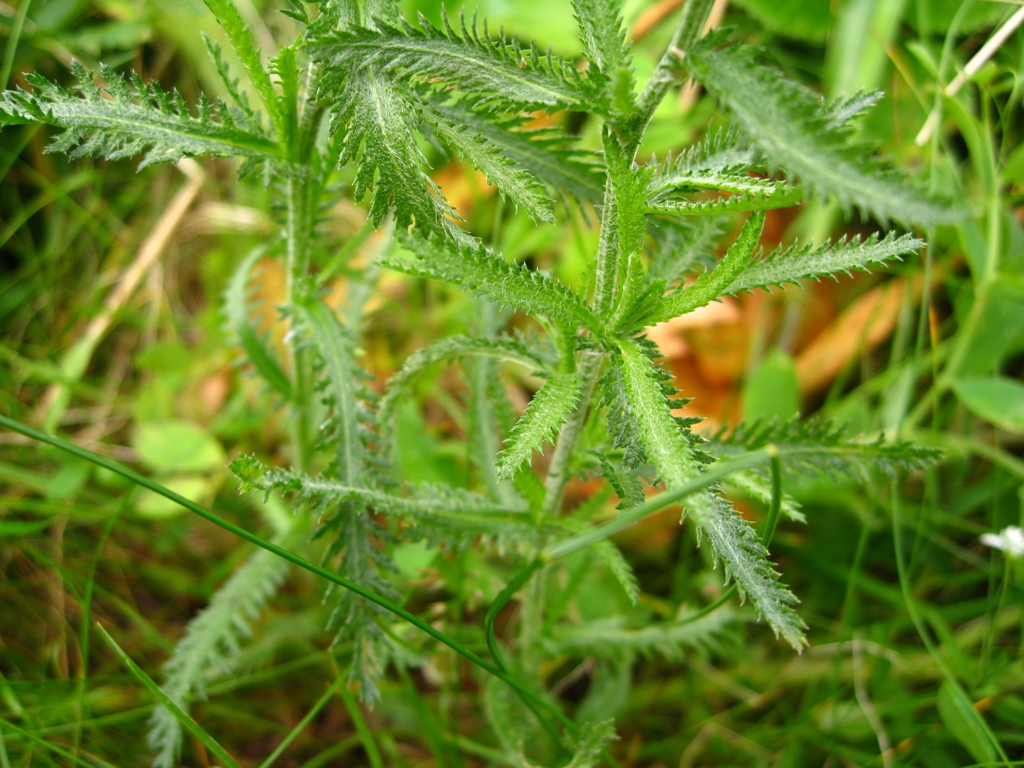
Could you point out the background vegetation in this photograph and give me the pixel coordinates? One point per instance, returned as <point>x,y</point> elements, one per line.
<point>112,333</point>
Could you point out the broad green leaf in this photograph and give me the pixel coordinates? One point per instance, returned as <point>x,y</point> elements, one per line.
<point>497,71</point>
<point>510,179</point>
<point>794,131</point>
<point>711,285</point>
<point>137,119</point>
<point>772,390</point>
<point>996,399</point>
<point>237,311</point>
<point>550,407</point>
<point>482,272</point>
<point>191,486</point>
<point>177,446</point>
<point>789,265</point>
<point>967,726</point>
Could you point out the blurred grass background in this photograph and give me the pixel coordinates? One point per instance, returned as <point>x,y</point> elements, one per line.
<point>111,334</point>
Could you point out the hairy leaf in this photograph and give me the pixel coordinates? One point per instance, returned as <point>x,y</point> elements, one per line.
<point>248,53</point>
<point>681,247</point>
<point>711,285</point>
<point>550,407</point>
<point>137,119</point>
<point>733,540</point>
<point>447,349</point>
<point>607,49</point>
<point>509,177</point>
<point>544,153</point>
<point>209,646</point>
<point>498,71</point>
<point>821,448</point>
<point>791,264</point>
<point>378,118</point>
<point>608,638</point>
<point>482,272</point>
<point>793,130</point>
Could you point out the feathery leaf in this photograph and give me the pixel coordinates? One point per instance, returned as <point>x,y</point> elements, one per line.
<point>793,129</point>
<point>500,72</point>
<point>480,271</point>
<point>791,264</point>
<point>237,311</point>
<point>138,119</point>
<point>377,116</point>
<point>607,49</point>
<point>550,407</point>
<point>510,178</point>
<point>209,645</point>
<point>447,349</point>
<point>711,285</point>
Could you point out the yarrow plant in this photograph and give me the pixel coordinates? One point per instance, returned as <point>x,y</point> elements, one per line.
<point>347,105</point>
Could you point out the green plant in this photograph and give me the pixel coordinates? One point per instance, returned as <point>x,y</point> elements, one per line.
<point>382,85</point>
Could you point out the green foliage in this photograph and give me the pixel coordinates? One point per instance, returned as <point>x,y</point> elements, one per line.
<point>209,646</point>
<point>548,410</point>
<point>498,72</point>
<point>362,101</point>
<point>795,132</point>
<point>137,119</point>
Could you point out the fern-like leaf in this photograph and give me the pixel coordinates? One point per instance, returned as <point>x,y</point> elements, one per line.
<point>545,153</point>
<point>377,117</point>
<point>510,178</point>
<point>711,285</point>
<point>482,272</point>
<point>237,310</point>
<point>607,49</point>
<point>819,448</point>
<point>209,645</point>
<point>733,540</point>
<point>137,119</point>
<point>550,407</point>
<point>792,128</point>
<point>609,638</point>
<point>792,264</point>
<point>500,72</point>
<point>452,348</point>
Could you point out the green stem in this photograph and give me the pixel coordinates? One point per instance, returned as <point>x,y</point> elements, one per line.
<point>291,557</point>
<point>688,32</point>
<point>362,728</point>
<point>337,685</point>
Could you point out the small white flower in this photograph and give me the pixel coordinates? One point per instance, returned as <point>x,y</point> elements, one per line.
<point>1010,540</point>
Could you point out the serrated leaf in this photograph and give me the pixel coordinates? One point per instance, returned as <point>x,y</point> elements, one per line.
<point>609,638</point>
<point>237,311</point>
<point>548,410</point>
<point>733,540</point>
<point>715,283</point>
<point>790,265</point>
<point>446,349</point>
<point>681,247</point>
<point>482,272</point>
<point>590,743</point>
<point>210,643</point>
<point>629,184</point>
<point>795,131</point>
<point>378,118</point>
<point>607,49</point>
<point>821,448</point>
<point>510,179</point>
<point>619,567</point>
<point>248,53</point>
<point>498,71</point>
<point>544,153</point>
<point>137,119</point>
